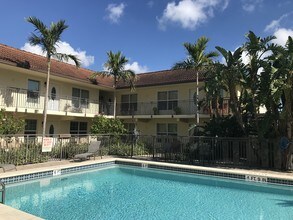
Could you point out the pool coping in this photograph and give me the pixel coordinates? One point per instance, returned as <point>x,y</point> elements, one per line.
<point>7,212</point>
<point>242,174</point>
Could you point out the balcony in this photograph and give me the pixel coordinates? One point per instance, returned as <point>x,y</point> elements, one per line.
<point>22,100</point>
<point>184,108</point>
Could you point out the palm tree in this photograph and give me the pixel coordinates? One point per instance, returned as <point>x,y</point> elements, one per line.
<point>213,88</point>
<point>283,62</point>
<point>115,66</point>
<point>197,59</point>
<point>47,38</point>
<point>231,74</point>
<point>256,49</point>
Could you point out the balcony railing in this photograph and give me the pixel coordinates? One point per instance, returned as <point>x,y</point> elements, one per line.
<point>180,107</point>
<point>22,99</point>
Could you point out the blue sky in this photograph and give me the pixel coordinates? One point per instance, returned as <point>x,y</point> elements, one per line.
<point>150,33</point>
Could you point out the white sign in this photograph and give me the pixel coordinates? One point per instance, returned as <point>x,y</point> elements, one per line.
<point>259,179</point>
<point>47,144</point>
<point>56,172</point>
<point>144,165</point>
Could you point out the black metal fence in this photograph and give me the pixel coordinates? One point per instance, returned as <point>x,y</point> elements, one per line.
<point>213,151</point>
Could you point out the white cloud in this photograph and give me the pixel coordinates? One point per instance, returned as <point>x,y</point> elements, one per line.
<point>278,29</point>
<point>63,47</point>
<point>150,4</point>
<point>190,13</point>
<point>251,5</point>
<point>33,49</point>
<point>282,35</point>
<point>115,12</point>
<point>136,67</point>
<point>275,24</point>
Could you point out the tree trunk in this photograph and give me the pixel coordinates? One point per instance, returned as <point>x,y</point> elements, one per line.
<point>115,98</point>
<point>235,106</point>
<point>115,103</point>
<point>46,99</point>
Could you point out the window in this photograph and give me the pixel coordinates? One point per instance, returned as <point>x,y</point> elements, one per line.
<point>167,100</point>
<point>80,98</point>
<point>129,127</point>
<point>128,103</point>
<point>78,127</point>
<point>30,127</point>
<point>33,90</point>
<point>167,129</point>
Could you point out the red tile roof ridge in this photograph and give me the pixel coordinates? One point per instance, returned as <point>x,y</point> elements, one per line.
<point>37,62</point>
<point>41,56</point>
<point>154,72</point>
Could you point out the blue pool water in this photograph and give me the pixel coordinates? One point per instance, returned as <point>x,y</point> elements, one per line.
<point>136,193</point>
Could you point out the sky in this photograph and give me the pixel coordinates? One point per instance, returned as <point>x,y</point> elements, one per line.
<point>150,33</point>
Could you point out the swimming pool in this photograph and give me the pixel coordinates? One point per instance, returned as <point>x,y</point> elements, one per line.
<point>121,192</point>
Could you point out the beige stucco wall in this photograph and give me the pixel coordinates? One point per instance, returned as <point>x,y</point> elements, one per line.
<point>148,94</point>
<point>149,127</point>
<point>61,123</point>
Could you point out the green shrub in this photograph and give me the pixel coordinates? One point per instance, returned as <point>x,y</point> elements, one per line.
<point>124,149</point>
<point>68,150</point>
<point>9,123</point>
<point>24,154</point>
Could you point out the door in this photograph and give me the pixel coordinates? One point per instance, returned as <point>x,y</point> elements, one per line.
<point>53,103</point>
<point>51,130</point>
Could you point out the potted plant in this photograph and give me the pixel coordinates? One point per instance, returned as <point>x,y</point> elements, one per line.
<point>177,110</point>
<point>155,110</point>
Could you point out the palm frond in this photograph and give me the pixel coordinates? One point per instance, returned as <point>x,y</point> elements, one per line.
<point>115,66</point>
<point>57,28</point>
<point>181,65</point>
<point>67,57</point>
<point>39,25</point>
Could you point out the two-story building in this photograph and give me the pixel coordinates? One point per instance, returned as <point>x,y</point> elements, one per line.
<point>163,102</point>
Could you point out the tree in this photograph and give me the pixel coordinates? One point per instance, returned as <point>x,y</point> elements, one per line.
<point>197,59</point>
<point>48,38</point>
<point>231,74</point>
<point>9,123</point>
<point>103,125</point>
<point>283,62</point>
<point>213,89</point>
<point>115,67</point>
<point>256,48</point>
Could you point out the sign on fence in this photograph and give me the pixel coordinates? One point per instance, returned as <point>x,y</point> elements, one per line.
<point>47,144</point>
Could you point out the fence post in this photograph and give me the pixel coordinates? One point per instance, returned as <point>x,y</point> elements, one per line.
<point>153,137</point>
<point>61,148</point>
<point>26,152</point>
<point>132,145</point>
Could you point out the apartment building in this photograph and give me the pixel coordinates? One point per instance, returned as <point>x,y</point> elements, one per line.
<point>162,102</point>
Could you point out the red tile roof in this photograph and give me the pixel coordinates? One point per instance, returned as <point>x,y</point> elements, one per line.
<point>165,77</point>
<point>27,60</point>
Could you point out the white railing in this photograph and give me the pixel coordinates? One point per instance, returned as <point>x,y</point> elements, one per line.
<point>18,99</point>
<point>179,107</point>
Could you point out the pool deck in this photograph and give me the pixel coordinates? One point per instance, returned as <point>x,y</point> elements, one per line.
<point>9,213</point>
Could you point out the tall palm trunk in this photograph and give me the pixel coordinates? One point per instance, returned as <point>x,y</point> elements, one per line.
<point>46,97</point>
<point>115,98</point>
<point>115,103</point>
